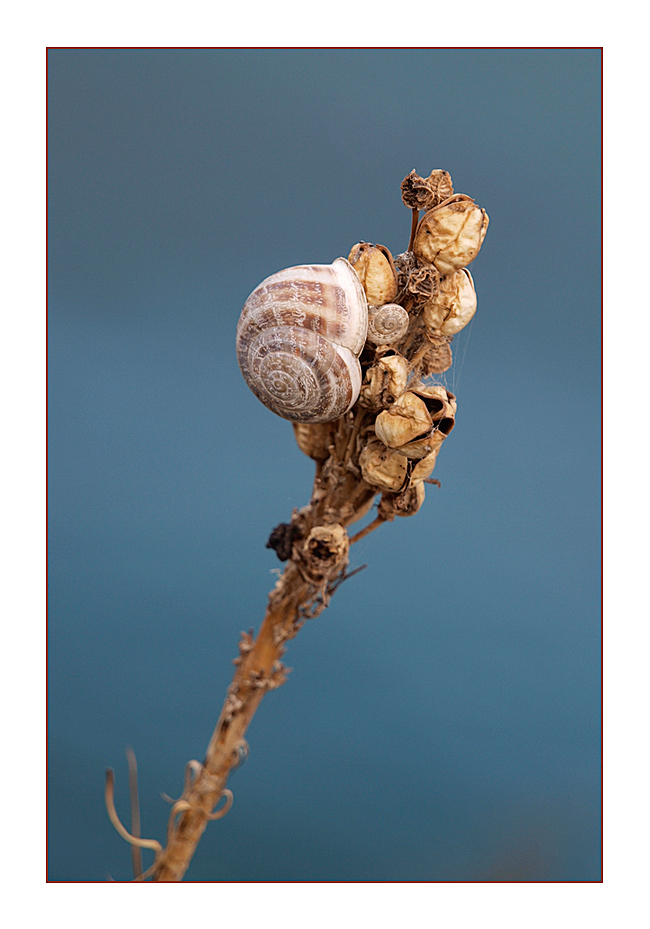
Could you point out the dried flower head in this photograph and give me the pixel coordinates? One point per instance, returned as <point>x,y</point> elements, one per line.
<point>424,282</point>
<point>324,552</point>
<point>405,262</point>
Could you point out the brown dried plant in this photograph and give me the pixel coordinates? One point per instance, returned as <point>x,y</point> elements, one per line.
<point>387,444</point>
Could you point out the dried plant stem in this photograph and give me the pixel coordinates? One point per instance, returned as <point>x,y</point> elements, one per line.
<point>301,592</point>
<point>316,545</point>
<point>386,444</point>
<point>367,530</point>
<point>222,754</point>
<point>414,225</point>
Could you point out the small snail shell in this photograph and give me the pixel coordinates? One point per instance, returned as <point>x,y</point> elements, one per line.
<point>298,341</point>
<point>387,324</point>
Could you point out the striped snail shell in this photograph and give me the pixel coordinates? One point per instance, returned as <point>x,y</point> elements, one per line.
<point>298,341</point>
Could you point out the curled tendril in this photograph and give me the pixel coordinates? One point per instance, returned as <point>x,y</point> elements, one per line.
<point>217,814</point>
<point>192,770</point>
<point>182,805</point>
<point>179,807</point>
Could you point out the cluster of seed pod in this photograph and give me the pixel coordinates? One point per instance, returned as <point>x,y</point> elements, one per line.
<point>357,338</point>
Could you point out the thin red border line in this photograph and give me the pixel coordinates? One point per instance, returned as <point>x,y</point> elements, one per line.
<point>602,475</point>
<point>128,47</point>
<point>47,651</point>
<point>332,48</point>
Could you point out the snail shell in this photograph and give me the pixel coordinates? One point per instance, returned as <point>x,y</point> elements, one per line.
<point>387,324</point>
<point>298,341</point>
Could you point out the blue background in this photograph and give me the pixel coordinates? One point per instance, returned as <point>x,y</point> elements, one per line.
<point>442,721</point>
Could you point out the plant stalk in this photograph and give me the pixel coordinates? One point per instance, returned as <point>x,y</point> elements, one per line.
<point>250,683</point>
<point>301,592</point>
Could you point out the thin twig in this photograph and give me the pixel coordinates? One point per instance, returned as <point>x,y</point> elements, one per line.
<point>375,524</point>
<point>414,226</point>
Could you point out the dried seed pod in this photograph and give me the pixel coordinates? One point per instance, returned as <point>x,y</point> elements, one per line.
<point>405,262</point>
<point>314,439</point>
<point>440,405</point>
<point>376,270</point>
<point>406,503</point>
<point>440,402</point>
<point>384,382</point>
<point>382,468</point>
<point>424,468</point>
<point>387,324</point>
<point>438,359</point>
<point>298,341</point>
<point>423,446</point>
<point>282,539</point>
<point>406,419</point>
<point>423,282</point>
<point>409,501</point>
<point>420,193</point>
<point>450,235</point>
<point>323,553</point>
<point>452,308</point>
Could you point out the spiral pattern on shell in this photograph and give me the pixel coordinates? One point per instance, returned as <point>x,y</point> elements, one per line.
<point>387,324</point>
<point>298,341</point>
